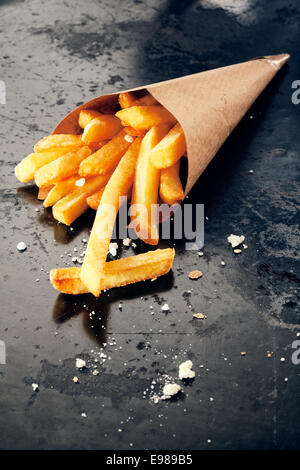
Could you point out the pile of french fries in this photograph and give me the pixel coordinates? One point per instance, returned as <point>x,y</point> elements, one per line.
<point>135,153</point>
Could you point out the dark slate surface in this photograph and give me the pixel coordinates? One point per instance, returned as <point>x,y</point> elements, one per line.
<point>55,55</point>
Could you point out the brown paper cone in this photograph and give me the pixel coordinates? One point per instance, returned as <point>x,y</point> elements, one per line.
<point>208,105</point>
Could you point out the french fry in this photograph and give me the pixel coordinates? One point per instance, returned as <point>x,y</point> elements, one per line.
<point>170,189</point>
<point>145,187</point>
<point>169,150</point>
<point>53,141</point>
<point>27,168</point>
<point>60,190</point>
<point>117,273</point>
<point>96,252</point>
<point>94,200</point>
<point>94,146</point>
<point>86,116</point>
<point>147,100</point>
<point>43,192</point>
<point>61,168</point>
<point>102,127</point>
<point>134,132</point>
<point>67,209</point>
<point>106,158</point>
<point>145,117</point>
<point>127,100</point>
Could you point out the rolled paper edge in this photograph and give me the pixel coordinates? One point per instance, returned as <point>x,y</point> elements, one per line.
<point>69,123</point>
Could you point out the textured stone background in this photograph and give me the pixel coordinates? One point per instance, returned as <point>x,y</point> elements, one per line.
<point>55,55</point>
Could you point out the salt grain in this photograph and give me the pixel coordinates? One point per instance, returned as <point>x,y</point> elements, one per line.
<point>21,246</point>
<point>113,249</point>
<point>80,182</point>
<point>128,138</point>
<point>80,363</point>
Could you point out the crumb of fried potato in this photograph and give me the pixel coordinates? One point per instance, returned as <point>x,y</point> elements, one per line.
<point>200,316</point>
<point>195,274</point>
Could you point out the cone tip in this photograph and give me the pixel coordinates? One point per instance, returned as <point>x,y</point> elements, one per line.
<point>276,60</point>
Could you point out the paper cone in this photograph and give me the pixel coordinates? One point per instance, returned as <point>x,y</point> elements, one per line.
<point>208,105</point>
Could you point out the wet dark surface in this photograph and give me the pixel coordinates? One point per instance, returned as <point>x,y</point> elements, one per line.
<point>56,55</point>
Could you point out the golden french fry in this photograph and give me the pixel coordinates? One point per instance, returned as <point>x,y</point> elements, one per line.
<point>53,141</point>
<point>60,190</point>
<point>27,168</point>
<point>105,159</point>
<point>117,273</point>
<point>170,189</point>
<point>61,168</point>
<point>96,252</point>
<point>67,209</point>
<point>134,132</point>
<point>101,128</point>
<point>145,117</point>
<point>86,116</point>
<point>94,200</point>
<point>147,100</point>
<point>169,150</point>
<point>127,100</point>
<point>43,192</point>
<point>94,146</point>
<point>145,188</point>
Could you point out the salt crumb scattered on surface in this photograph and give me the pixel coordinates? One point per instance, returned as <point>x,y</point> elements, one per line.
<point>185,370</point>
<point>80,363</point>
<point>170,390</point>
<point>21,246</point>
<point>113,247</point>
<point>35,387</point>
<point>128,138</point>
<point>235,240</point>
<point>165,308</point>
<point>126,241</point>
